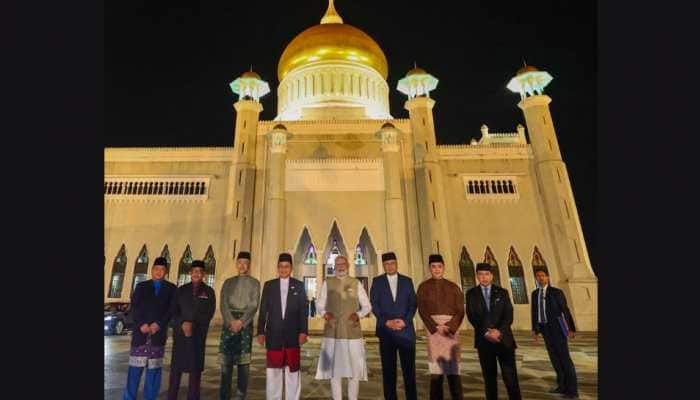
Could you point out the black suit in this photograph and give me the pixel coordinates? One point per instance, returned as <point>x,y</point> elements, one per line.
<point>148,308</point>
<point>554,339</point>
<point>499,316</point>
<point>282,333</point>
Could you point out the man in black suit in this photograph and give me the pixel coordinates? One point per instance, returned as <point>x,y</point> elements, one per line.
<point>394,304</point>
<point>283,329</point>
<point>152,303</point>
<point>551,318</point>
<point>490,312</point>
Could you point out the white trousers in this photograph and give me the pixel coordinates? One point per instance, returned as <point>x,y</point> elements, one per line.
<point>292,384</point>
<point>337,388</point>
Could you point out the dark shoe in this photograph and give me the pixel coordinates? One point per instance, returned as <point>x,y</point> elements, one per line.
<point>569,396</point>
<point>555,390</point>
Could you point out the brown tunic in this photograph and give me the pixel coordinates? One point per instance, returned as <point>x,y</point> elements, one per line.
<point>440,297</point>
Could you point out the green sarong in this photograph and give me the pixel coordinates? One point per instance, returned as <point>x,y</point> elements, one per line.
<point>235,348</point>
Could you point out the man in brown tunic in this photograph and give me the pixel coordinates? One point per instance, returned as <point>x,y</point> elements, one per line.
<point>441,307</point>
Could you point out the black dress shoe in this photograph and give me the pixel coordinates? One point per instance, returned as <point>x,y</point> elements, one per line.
<point>555,390</point>
<point>569,396</point>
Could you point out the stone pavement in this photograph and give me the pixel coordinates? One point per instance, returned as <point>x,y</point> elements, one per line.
<point>535,372</point>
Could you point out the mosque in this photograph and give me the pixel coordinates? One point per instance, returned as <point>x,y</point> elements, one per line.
<point>335,173</point>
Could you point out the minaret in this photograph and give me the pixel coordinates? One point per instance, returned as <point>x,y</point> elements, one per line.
<point>239,210</point>
<point>417,85</point>
<point>275,204</point>
<point>570,252</point>
<point>393,200</point>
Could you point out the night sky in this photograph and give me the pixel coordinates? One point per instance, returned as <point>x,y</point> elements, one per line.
<point>168,65</point>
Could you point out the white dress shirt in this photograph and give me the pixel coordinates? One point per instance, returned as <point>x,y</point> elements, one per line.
<point>284,289</point>
<point>393,284</point>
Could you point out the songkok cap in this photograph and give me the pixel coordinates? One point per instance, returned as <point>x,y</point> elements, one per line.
<point>435,258</point>
<point>388,256</point>
<point>542,269</point>
<point>197,264</point>
<point>243,254</point>
<point>483,267</point>
<point>285,257</point>
<point>161,261</point>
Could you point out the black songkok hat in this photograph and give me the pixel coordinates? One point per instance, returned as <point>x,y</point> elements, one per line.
<point>197,264</point>
<point>285,257</point>
<point>161,261</point>
<point>542,269</point>
<point>243,254</point>
<point>483,267</point>
<point>388,256</point>
<point>435,258</point>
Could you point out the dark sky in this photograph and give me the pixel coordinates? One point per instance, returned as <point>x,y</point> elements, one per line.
<point>168,65</point>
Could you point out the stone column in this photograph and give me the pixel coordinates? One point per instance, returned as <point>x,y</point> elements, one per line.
<point>274,219</point>
<point>394,200</point>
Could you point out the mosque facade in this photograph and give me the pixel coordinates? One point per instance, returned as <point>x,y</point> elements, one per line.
<point>335,173</point>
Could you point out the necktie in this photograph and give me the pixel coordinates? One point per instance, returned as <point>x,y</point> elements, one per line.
<point>543,315</point>
<point>487,297</point>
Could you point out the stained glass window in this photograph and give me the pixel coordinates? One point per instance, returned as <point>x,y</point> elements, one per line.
<point>330,262</point>
<point>310,257</point>
<point>466,270</point>
<point>209,267</point>
<point>140,268</point>
<point>118,269</point>
<point>491,260</point>
<point>538,263</point>
<point>517,278</point>
<point>360,256</point>
<point>183,269</point>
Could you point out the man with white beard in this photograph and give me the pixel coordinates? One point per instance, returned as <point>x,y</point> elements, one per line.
<point>342,347</point>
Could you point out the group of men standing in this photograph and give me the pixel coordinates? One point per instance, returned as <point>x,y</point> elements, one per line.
<point>342,301</point>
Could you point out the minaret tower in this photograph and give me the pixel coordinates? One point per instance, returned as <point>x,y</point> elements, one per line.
<point>239,210</point>
<point>417,85</point>
<point>575,274</point>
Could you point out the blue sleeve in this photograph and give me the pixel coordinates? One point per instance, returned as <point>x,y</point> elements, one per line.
<point>374,300</point>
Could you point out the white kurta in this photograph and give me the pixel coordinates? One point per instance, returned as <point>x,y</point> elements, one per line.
<point>343,358</point>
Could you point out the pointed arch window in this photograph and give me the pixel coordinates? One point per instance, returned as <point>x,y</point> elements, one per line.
<point>183,275</point>
<point>335,246</point>
<point>365,260</point>
<point>306,254</point>
<point>140,268</point>
<point>538,263</point>
<point>209,267</point>
<point>491,260</point>
<point>466,272</point>
<point>118,270</point>
<point>165,253</point>
<point>330,261</point>
<point>517,278</point>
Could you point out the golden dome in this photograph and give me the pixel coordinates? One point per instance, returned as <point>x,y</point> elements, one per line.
<point>250,74</point>
<point>525,69</point>
<point>332,40</point>
<point>416,71</point>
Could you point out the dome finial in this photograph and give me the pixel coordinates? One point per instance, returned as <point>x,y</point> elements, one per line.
<point>331,16</point>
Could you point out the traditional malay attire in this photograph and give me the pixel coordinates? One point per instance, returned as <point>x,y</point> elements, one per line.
<point>282,318</point>
<point>239,299</point>
<point>195,303</point>
<point>489,307</point>
<point>393,297</point>
<point>440,302</point>
<point>342,347</point>
<point>152,301</point>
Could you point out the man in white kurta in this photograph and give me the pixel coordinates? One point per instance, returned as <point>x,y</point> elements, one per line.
<point>342,347</point>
